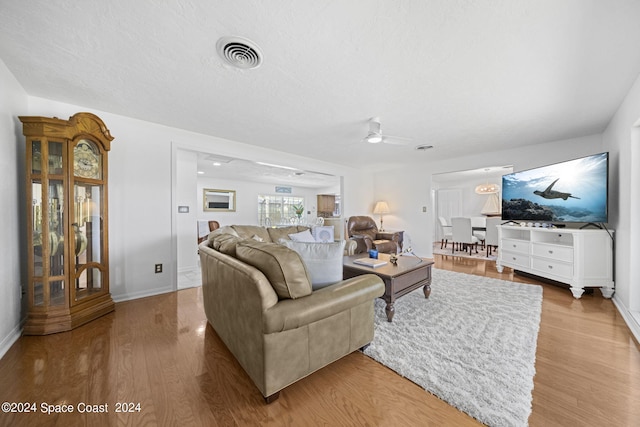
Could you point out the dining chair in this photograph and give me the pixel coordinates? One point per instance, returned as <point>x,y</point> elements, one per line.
<point>463,235</point>
<point>446,232</point>
<point>478,228</point>
<point>491,237</point>
<point>204,228</point>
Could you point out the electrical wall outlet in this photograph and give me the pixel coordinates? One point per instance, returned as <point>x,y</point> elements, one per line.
<point>158,268</point>
<point>424,209</point>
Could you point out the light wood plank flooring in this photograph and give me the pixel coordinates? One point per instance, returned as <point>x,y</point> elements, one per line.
<point>160,353</point>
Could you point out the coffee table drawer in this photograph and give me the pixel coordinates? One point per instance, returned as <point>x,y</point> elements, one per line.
<point>410,279</point>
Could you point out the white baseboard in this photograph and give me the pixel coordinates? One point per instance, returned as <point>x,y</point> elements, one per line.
<point>189,278</point>
<point>10,339</point>
<point>141,294</point>
<point>629,319</point>
<point>189,269</point>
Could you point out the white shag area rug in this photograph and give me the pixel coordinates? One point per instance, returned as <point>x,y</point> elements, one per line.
<point>472,344</point>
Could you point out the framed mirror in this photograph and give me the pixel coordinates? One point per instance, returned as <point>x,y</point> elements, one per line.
<point>216,200</point>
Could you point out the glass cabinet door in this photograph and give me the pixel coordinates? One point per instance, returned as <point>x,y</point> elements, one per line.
<point>55,158</point>
<point>48,227</point>
<point>37,256</point>
<point>88,224</point>
<point>88,234</point>
<point>56,243</point>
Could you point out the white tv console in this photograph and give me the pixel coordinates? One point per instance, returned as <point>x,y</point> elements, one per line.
<point>580,258</point>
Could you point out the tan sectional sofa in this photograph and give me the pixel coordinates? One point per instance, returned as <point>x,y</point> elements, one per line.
<point>259,298</point>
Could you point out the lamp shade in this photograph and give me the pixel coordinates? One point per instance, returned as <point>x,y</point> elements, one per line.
<point>381,208</point>
<point>492,206</point>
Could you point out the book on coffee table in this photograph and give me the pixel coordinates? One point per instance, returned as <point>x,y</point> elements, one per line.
<point>370,262</point>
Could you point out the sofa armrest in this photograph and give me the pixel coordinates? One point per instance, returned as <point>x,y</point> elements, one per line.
<point>294,313</point>
<point>364,243</point>
<point>384,235</point>
<point>350,247</point>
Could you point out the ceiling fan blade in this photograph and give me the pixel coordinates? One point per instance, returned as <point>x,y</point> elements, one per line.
<point>392,140</point>
<point>401,138</point>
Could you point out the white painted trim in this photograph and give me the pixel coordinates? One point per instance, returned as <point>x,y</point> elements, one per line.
<point>628,317</point>
<point>185,282</point>
<point>143,294</point>
<point>10,339</point>
<point>174,218</point>
<point>189,269</point>
<point>634,227</point>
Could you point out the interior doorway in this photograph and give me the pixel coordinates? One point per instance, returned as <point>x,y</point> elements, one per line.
<point>196,169</point>
<point>454,194</point>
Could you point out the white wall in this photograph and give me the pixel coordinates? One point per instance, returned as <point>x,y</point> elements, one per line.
<point>472,202</point>
<point>247,200</point>
<point>622,139</point>
<point>13,102</point>
<point>409,189</point>
<point>246,207</point>
<point>186,223</point>
<point>143,195</point>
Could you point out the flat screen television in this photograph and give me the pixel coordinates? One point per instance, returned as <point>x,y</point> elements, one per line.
<point>565,192</point>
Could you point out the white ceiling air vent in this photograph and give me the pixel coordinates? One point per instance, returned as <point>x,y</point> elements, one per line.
<point>239,52</point>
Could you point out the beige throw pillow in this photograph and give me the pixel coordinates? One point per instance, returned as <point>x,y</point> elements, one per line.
<point>283,232</point>
<point>226,243</point>
<point>283,267</point>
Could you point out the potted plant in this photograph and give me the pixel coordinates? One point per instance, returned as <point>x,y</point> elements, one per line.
<point>299,209</point>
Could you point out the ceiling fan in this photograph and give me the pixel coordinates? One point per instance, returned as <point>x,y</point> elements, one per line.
<point>376,136</point>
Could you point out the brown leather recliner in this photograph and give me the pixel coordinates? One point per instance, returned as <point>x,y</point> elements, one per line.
<point>364,231</point>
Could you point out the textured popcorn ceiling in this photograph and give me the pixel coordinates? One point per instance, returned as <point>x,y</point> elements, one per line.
<point>463,76</point>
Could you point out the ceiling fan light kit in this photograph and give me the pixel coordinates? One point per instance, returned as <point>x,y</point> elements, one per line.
<point>375,131</point>
<point>376,136</point>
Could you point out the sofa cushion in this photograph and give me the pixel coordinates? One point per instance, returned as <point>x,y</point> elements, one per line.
<point>282,266</point>
<point>278,233</point>
<point>323,260</point>
<point>302,236</point>
<point>227,229</point>
<point>249,231</point>
<point>226,243</point>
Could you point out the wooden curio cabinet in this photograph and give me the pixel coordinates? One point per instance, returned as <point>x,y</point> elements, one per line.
<point>67,222</point>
